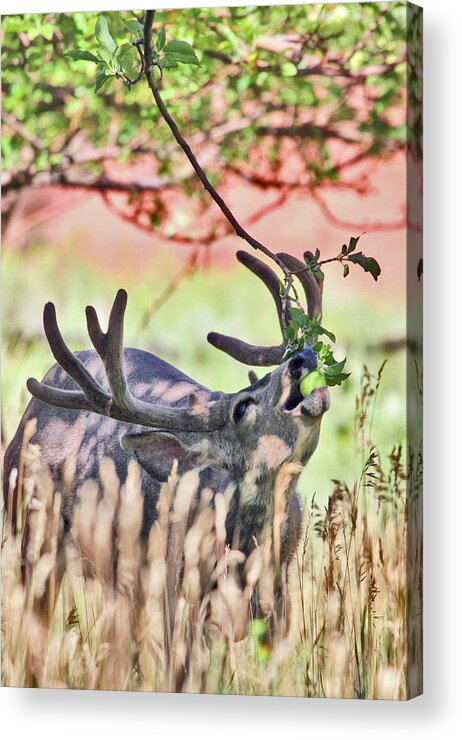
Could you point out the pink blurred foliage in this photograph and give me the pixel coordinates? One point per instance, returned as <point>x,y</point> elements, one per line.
<point>371,198</point>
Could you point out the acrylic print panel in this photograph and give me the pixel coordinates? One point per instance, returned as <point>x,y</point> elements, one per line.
<point>240,515</point>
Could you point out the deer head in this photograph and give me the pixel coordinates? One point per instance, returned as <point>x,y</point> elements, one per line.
<point>241,438</point>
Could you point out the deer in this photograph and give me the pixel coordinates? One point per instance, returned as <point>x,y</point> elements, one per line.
<point>127,404</point>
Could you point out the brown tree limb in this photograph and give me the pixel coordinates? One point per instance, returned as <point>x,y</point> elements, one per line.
<point>205,240</point>
<point>355,226</point>
<point>103,182</point>
<point>352,74</point>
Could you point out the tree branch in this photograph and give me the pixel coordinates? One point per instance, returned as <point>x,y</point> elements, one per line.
<point>364,226</point>
<point>240,231</point>
<point>100,183</point>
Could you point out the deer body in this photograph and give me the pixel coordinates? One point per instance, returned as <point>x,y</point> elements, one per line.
<point>70,436</point>
<point>248,465</point>
<point>126,403</point>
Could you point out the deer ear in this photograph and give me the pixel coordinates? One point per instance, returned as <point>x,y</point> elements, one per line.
<point>156,452</point>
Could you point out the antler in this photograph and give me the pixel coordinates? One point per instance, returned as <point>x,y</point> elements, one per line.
<point>119,404</point>
<point>251,354</point>
<point>311,286</point>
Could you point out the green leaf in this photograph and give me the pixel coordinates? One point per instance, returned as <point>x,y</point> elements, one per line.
<point>183,58</point>
<point>290,332</point>
<point>329,334</point>
<point>160,39</point>
<point>106,56</point>
<point>135,27</point>
<point>299,317</point>
<point>103,35</point>
<point>317,255</point>
<point>353,244</point>
<point>124,58</point>
<point>101,78</point>
<point>328,365</point>
<point>167,62</point>
<point>179,46</point>
<point>181,51</point>
<point>122,51</point>
<point>77,55</point>
<point>369,264</point>
<point>337,379</point>
<point>335,369</point>
<point>346,270</point>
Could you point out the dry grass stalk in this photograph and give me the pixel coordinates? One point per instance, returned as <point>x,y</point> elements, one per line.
<point>97,608</point>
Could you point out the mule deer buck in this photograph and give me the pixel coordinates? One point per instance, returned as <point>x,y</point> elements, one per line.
<point>126,403</point>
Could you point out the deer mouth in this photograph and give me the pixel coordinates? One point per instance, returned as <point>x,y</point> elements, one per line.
<point>313,405</point>
<point>295,399</point>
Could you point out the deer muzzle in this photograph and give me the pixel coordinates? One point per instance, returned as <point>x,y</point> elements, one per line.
<point>318,401</point>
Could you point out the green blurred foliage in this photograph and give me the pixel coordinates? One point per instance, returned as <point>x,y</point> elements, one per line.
<point>255,62</point>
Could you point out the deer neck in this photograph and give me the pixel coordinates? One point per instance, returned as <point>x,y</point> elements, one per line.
<point>261,503</point>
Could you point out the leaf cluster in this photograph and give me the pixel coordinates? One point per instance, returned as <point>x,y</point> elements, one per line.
<point>237,66</point>
<point>113,60</point>
<point>302,332</point>
<point>348,254</point>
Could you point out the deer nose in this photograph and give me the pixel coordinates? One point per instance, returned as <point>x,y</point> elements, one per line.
<point>304,359</point>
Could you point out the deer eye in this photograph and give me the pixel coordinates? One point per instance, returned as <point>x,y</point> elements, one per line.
<point>240,409</point>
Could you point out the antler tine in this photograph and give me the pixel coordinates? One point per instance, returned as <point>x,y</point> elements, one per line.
<point>109,346</point>
<point>57,397</point>
<point>92,391</point>
<point>124,405</point>
<point>311,286</point>
<point>121,405</point>
<point>251,354</point>
<point>317,286</point>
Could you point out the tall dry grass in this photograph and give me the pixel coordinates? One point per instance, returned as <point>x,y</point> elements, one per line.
<point>99,609</point>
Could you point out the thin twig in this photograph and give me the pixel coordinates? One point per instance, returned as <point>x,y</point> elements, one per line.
<point>188,269</point>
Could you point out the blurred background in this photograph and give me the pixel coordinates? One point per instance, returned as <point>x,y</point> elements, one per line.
<point>298,115</point>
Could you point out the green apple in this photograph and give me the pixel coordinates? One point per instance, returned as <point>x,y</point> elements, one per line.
<point>311,381</point>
